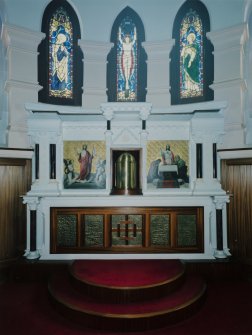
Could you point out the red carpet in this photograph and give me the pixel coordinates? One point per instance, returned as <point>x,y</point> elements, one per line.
<point>25,310</point>
<point>62,290</point>
<point>126,273</point>
<point>126,294</point>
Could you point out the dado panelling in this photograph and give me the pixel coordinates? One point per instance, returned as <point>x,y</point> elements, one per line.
<point>237,179</point>
<point>15,177</point>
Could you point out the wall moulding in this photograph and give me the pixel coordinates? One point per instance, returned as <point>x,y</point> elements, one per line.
<point>232,83</point>
<point>228,38</point>
<point>9,84</point>
<point>21,38</point>
<point>239,153</point>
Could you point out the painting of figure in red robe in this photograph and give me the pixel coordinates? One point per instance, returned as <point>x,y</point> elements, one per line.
<point>84,165</point>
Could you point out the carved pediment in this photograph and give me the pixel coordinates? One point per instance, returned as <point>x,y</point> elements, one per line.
<point>126,138</point>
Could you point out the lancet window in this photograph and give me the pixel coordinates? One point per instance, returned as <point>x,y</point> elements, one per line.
<point>60,68</point>
<point>191,66</point>
<point>126,70</point>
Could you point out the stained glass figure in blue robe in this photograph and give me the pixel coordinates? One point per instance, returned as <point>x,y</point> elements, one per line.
<point>60,59</point>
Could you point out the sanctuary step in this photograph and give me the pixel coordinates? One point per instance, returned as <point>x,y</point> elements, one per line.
<point>126,295</point>
<point>126,281</point>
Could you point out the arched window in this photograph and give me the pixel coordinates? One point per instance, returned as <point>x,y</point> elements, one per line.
<point>60,69</point>
<point>191,67</point>
<point>126,70</point>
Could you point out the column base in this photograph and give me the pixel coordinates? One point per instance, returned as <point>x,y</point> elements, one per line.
<point>32,255</point>
<point>220,254</point>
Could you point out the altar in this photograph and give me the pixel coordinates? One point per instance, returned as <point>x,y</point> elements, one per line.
<point>128,181</point>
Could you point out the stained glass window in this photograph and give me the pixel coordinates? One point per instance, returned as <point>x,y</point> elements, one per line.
<point>60,58</point>
<point>60,55</point>
<point>191,56</point>
<point>127,61</point>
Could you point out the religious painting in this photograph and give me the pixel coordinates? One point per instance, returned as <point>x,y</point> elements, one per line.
<point>60,55</point>
<point>127,61</point>
<point>191,56</point>
<point>84,165</point>
<point>167,164</point>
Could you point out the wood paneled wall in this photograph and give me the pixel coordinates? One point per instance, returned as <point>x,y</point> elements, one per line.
<point>237,179</point>
<point>15,181</point>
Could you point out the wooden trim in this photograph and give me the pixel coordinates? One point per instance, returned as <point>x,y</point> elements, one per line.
<point>234,149</point>
<point>239,161</point>
<point>13,161</point>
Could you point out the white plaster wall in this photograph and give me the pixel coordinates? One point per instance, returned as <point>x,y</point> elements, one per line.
<point>3,73</point>
<point>157,16</point>
<point>247,73</point>
<point>22,36</point>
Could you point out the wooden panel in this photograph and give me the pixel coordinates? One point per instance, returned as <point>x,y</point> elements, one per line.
<point>237,179</point>
<point>132,229</point>
<point>15,177</point>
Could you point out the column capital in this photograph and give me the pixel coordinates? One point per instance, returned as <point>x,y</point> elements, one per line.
<point>144,114</point>
<point>221,201</point>
<point>108,114</point>
<point>31,202</point>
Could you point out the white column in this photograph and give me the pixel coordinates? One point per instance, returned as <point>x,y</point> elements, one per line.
<point>31,251</point>
<point>221,250</point>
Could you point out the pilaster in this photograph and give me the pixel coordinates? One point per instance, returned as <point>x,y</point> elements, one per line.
<point>95,67</point>
<point>21,82</point>
<point>158,81</point>
<point>229,82</point>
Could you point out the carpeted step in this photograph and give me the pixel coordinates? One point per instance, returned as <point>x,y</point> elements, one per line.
<point>124,281</point>
<point>135,316</point>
